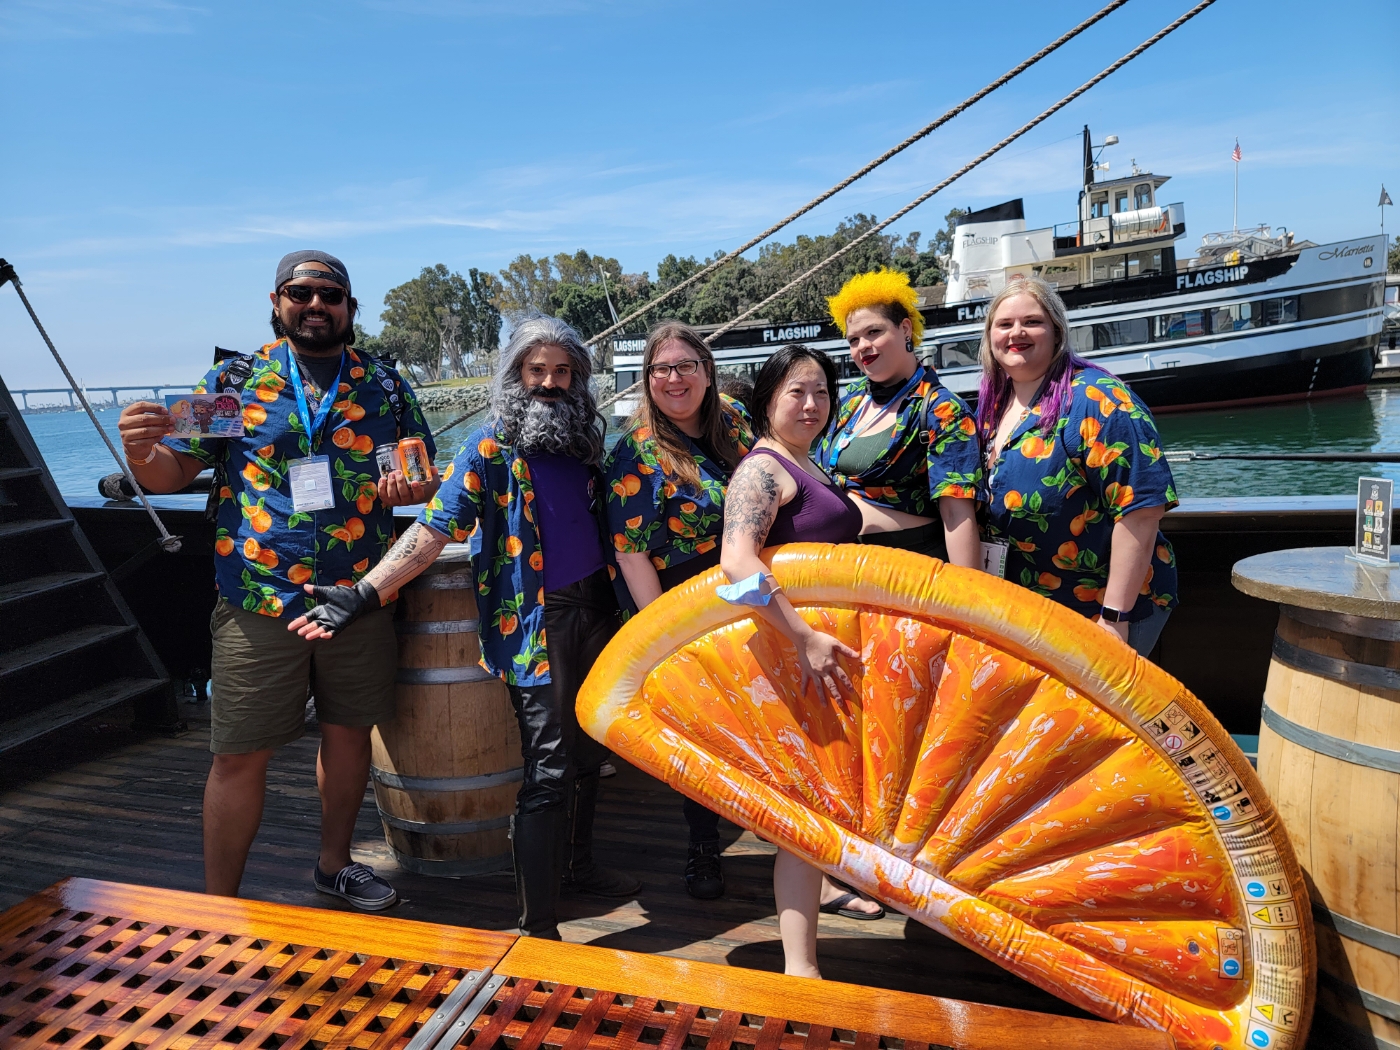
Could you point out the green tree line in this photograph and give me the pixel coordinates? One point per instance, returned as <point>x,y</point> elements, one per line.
<point>441,323</point>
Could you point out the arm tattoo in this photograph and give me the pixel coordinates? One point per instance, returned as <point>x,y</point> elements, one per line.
<point>415,551</point>
<point>750,505</point>
<point>406,545</point>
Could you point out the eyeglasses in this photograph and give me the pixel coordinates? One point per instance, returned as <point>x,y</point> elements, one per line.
<point>304,293</point>
<point>688,367</point>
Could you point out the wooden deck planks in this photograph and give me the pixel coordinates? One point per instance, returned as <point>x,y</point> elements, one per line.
<point>107,803</point>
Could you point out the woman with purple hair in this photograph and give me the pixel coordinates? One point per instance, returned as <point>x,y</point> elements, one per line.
<point>1076,480</point>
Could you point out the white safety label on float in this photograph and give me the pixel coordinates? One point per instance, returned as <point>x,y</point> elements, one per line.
<point>311,484</point>
<point>1230,944</point>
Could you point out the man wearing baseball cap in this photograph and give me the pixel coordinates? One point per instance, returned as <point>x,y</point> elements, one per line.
<point>299,501</point>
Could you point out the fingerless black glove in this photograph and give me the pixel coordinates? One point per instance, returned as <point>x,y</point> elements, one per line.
<point>338,607</point>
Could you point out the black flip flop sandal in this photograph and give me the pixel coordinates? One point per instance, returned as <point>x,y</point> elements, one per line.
<point>837,906</point>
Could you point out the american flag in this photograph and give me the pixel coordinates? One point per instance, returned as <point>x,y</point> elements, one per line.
<point>1237,156</point>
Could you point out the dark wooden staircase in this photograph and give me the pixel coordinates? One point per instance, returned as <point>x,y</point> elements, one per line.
<point>69,646</point>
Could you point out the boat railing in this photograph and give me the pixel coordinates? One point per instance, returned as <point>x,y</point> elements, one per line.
<point>1106,231</point>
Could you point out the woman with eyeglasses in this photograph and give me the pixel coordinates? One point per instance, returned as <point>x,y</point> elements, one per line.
<point>666,478</point>
<point>902,444</point>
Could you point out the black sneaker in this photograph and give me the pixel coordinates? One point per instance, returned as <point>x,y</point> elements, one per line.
<point>704,877</point>
<point>358,884</point>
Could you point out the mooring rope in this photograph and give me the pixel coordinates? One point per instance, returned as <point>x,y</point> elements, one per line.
<point>456,420</point>
<point>1108,71</point>
<point>170,544</point>
<point>923,132</point>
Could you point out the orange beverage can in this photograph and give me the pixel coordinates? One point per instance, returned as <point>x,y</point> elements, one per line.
<point>413,454</point>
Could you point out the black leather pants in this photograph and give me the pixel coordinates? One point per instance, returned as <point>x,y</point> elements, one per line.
<point>580,620</point>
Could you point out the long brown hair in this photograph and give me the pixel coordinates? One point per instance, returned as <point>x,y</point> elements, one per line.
<point>673,452</point>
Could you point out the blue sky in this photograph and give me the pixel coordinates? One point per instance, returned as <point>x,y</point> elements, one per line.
<point>161,155</point>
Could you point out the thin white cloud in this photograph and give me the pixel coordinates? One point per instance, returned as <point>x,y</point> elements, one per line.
<point>497,8</point>
<point>38,19</point>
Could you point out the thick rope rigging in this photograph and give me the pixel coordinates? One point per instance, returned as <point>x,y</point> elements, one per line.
<point>170,544</point>
<point>1155,38</point>
<point>861,173</point>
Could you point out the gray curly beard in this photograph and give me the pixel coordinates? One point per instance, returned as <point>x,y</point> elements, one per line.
<point>565,425</point>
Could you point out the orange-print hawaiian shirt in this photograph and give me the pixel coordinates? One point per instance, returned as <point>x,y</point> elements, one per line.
<point>920,465</point>
<point>648,510</point>
<point>264,552</point>
<point>487,497</point>
<point>1056,498</point>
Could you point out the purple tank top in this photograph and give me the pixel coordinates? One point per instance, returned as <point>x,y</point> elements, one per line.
<point>819,513</point>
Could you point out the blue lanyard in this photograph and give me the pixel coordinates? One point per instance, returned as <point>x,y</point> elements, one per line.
<point>313,431</point>
<point>847,433</point>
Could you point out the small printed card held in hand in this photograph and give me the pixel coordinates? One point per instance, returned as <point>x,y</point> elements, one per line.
<point>206,415</point>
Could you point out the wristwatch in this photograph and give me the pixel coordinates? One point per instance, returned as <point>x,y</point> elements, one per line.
<point>1112,615</point>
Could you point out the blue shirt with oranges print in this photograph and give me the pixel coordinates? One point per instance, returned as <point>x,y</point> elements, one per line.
<point>651,512</point>
<point>264,551</point>
<point>487,497</point>
<point>1055,498</point>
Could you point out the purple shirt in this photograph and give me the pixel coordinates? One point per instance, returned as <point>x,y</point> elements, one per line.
<point>819,513</point>
<point>571,546</point>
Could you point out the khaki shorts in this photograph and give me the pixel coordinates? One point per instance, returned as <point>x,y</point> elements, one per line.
<point>262,673</point>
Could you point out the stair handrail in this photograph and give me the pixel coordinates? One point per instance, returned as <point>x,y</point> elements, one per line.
<point>168,543</point>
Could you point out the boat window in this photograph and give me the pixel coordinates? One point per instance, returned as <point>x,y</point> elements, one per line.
<point>1081,338</point>
<point>1278,311</point>
<point>1233,318</point>
<point>1099,208</point>
<point>1185,325</point>
<point>958,355</point>
<point>1392,293</point>
<point>1142,195</point>
<point>1330,302</point>
<point>1111,268</point>
<point>1143,263</point>
<point>1123,333</point>
<point>846,369</point>
<point>1120,202</point>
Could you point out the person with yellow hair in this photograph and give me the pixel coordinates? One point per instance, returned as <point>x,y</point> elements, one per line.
<point>902,444</point>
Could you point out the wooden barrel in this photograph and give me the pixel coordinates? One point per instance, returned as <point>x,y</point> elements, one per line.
<point>1329,756</point>
<point>447,768</point>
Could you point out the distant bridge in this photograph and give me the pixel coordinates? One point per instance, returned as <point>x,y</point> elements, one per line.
<point>154,389</point>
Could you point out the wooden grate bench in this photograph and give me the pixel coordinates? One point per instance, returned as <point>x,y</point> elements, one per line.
<point>87,965</point>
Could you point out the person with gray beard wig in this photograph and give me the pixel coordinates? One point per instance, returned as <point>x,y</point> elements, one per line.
<point>527,482</point>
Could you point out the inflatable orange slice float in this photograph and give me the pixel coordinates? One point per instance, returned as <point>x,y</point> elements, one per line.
<point>1008,775</point>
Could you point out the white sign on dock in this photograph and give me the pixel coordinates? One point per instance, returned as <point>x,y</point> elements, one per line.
<point>1373,516</point>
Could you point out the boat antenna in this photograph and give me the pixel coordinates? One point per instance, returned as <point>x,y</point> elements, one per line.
<point>168,543</point>
<point>1161,34</point>
<point>923,132</point>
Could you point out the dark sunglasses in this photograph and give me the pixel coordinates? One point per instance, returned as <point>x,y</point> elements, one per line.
<point>304,293</point>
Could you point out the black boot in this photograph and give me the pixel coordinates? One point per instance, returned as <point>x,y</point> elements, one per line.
<point>704,877</point>
<point>534,843</point>
<point>581,874</point>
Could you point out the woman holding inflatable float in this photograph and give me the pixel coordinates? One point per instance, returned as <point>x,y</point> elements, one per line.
<point>903,444</point>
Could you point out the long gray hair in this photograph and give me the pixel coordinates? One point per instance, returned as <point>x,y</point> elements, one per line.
<point>568,426</point>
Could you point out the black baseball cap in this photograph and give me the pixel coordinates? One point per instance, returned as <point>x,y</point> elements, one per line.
<point>287,268</point>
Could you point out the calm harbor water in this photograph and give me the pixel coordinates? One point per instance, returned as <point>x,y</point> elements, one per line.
<point>1369,422</point>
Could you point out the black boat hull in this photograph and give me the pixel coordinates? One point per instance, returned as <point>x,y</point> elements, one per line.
<point>1330,370</point>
